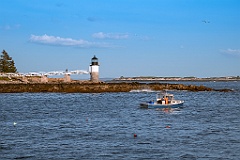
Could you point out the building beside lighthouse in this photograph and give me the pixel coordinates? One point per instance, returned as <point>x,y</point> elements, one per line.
<point>94,69</point>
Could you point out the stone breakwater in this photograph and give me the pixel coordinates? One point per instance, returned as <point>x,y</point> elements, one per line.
<point>96,87</point>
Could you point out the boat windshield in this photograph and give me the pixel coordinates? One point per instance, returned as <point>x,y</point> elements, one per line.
<point>164,96</point>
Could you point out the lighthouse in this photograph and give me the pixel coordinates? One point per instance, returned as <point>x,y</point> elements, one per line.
<point>94,70</point>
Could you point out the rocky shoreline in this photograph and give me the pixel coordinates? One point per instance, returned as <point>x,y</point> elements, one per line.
<point>100,87</point>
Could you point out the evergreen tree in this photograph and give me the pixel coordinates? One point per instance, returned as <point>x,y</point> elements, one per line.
<point>7,64</point>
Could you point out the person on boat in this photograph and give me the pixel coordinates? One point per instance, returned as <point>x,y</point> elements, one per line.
<point>166,100</point>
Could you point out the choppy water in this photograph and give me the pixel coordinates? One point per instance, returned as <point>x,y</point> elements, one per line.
<point>102,126</point>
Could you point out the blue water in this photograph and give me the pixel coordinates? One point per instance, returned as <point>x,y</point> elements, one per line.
<point>102,126</point>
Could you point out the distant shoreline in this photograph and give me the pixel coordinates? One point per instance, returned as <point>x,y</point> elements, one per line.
<point>163,79</point>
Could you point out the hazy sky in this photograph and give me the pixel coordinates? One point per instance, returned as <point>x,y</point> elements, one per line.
<point>130,37</point>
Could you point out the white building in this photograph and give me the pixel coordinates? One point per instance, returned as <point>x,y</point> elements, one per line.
<point>94,70</point>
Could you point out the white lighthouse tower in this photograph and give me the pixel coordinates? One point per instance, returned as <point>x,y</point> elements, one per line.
<point>94,70</point>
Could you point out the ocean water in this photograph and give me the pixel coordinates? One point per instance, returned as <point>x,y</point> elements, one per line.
<point>102,126</point>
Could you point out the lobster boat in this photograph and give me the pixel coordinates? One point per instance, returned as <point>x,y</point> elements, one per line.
<point>163,100</point>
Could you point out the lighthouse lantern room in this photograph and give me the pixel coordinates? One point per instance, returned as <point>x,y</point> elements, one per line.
<point>94,70</point>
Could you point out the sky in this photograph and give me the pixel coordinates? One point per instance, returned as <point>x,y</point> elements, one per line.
<point>165,38</point>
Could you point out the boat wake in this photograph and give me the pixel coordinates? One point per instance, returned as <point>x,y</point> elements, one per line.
<point>142,90</point>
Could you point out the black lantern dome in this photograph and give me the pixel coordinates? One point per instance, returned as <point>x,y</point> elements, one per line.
<point>94,60</point>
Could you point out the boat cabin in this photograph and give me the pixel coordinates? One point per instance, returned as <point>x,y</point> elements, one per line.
<point>165,98</point>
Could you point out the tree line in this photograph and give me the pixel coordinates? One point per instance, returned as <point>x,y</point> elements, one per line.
<point>7,64</point>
